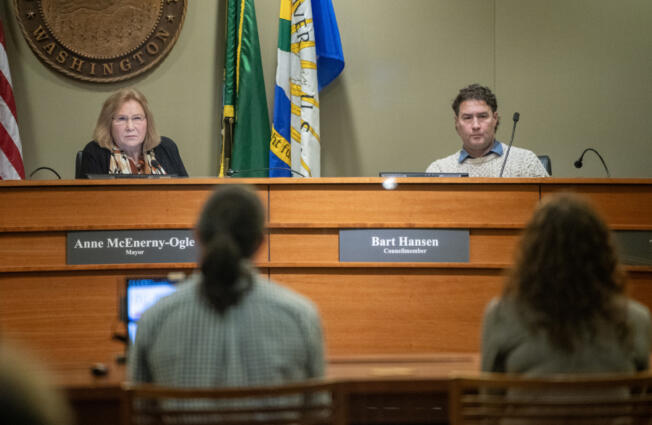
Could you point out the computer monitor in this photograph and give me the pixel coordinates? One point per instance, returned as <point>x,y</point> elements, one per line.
<point>142,293</point>
<point>419,174</point>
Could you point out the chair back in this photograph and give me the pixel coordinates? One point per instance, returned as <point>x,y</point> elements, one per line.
<point>309,403</point>
<point>562,399</point>
<point>78,164</point>
<point>547,163</point>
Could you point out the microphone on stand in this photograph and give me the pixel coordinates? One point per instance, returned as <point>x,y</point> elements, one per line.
<point>578,163</point>
<point>231,172</point>
<point>516,117</point>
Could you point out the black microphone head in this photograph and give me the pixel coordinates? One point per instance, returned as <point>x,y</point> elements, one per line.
<point>516,116</point>
<point>578,163</point>
<point>230,172</point>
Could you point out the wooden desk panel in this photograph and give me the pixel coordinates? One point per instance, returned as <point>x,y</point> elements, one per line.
<point>487,246</point>
<point>493,246</point>
<point>66,319</point>
<point>419,205</point>
<point>384,311</point>
<point>303,245</point>
<point>46,251</point>
<point>367,308</point>
<point>27,249</point>
<point>80,207</point>
<point>111,204</point>
<point>623,206</point>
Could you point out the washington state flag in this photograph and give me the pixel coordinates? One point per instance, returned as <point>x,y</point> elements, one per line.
<point>245,119</point>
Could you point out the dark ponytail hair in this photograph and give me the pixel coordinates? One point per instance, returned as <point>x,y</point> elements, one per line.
<point>230,230</point>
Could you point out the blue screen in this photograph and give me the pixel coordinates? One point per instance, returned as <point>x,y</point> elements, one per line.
<point>142,293</point>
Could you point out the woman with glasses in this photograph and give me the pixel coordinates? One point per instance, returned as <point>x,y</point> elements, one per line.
<point>126,140</point>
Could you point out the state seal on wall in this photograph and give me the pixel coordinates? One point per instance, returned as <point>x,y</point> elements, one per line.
<point>102,41</point>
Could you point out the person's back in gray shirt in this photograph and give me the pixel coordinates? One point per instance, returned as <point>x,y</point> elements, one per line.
<point>271,336</point>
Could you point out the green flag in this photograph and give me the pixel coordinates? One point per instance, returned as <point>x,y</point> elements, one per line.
<point>245,120</point>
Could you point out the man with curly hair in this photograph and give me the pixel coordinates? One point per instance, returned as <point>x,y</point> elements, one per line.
<point>476,121</point>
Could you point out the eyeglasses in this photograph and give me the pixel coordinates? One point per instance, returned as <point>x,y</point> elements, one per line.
<point>123,119</point>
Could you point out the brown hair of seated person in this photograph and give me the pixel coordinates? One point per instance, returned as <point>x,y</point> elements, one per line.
<point>230,230</point>
<point>26,397</point>
<point>476,92</point>
<point>102,134</point>
<point>567,274</point>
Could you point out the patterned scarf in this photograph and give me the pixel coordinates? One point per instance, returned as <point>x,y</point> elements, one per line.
<point>122,164</point>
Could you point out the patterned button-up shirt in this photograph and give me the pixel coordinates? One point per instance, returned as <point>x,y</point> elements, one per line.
<point>272,336</point>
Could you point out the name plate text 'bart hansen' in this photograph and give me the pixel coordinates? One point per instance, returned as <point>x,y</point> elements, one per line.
<point>404,245</point>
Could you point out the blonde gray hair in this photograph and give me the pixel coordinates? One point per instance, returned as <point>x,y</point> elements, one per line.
<point>102,134</point>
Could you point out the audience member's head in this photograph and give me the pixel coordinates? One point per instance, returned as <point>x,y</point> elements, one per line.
<point>567,271</point>
<point>26,397</point>
<point>230,230</point>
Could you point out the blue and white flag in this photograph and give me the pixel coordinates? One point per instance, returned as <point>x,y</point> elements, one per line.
<point>309,58</point>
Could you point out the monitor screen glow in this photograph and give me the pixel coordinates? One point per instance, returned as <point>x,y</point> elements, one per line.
<point>142,293</point>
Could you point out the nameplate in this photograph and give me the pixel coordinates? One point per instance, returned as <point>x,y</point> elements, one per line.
<point>131,246</point>
<point>404,245</point>
<point>634,247</point>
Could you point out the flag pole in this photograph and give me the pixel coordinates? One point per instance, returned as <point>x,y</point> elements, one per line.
<point>227,145</point>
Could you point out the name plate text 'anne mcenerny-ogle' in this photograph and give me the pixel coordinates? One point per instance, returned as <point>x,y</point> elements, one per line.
<point>131,246</point>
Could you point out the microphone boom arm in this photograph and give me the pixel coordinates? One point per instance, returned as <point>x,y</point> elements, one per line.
<point>516,117</point>
<point>578,163</point>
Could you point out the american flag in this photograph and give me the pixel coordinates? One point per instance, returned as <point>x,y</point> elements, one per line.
<point>11,156</point>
